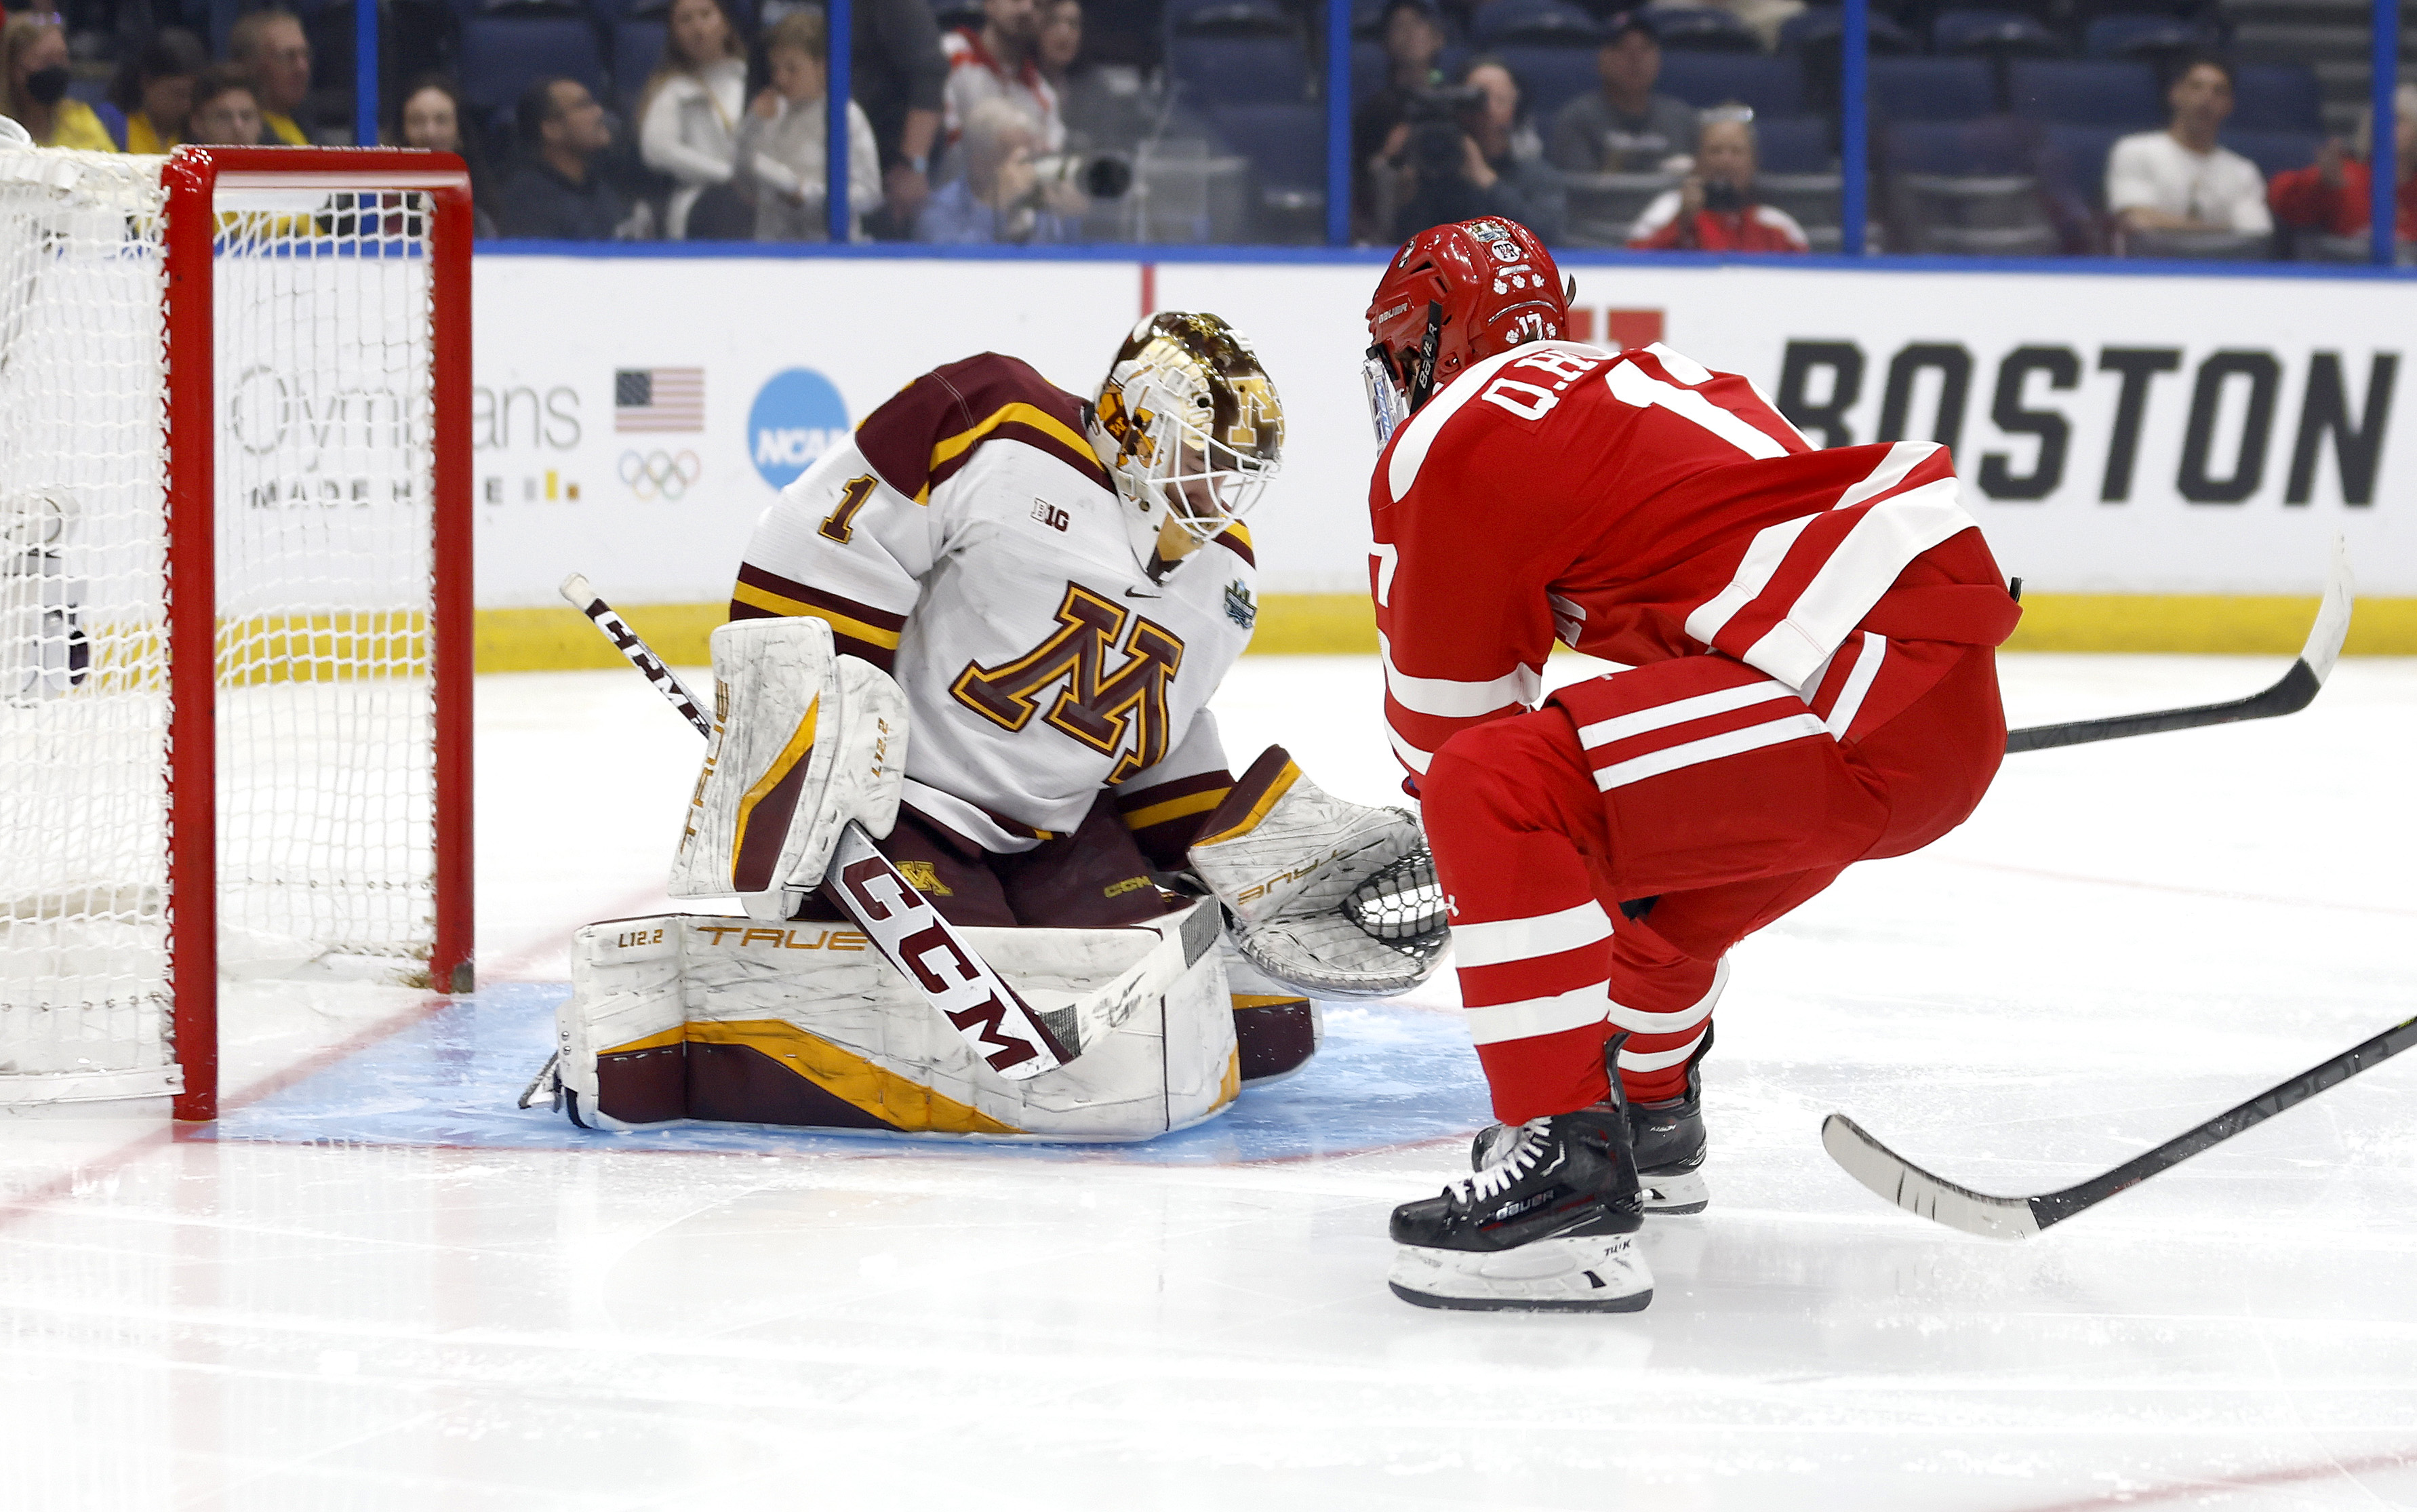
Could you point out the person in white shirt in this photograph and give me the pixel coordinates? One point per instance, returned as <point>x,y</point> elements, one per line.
<point>688,121</point>
<point>781,148</point>
<point>2178,179</point>
<point>1000,61</point>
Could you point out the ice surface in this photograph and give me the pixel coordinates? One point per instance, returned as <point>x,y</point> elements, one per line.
<point>377,1285</point>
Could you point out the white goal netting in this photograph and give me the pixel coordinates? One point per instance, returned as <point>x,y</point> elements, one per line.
<point>323,534</point>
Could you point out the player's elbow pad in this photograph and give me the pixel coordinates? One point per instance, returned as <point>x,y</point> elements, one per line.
<point>804,741</point>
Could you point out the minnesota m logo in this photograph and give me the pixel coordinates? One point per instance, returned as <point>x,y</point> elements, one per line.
<point>1105,713</point>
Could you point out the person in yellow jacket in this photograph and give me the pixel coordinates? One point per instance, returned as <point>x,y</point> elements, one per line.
<point>155,88</point>
<point>34,87</point>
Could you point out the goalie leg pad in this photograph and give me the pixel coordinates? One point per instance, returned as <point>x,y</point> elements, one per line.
<point>804,741</point>
<point>727,1020</point>
<point>1276,1029</point>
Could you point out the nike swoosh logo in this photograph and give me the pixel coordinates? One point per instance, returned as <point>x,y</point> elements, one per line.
<point>1143,593</point>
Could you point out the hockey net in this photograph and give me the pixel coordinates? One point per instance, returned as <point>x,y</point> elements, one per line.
<point>232,595</point>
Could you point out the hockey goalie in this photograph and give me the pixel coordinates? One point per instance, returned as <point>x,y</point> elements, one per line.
<point>1011,608</point>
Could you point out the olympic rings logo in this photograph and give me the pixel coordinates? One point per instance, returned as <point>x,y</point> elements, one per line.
<point>664,475</point>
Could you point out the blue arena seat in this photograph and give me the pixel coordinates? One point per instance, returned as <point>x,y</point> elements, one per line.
<point>1817,30</point>
<point>1931,89</point>
<point>1549,77</point>
<point>2073,165</point>
<point>2086,92</point>
<point>1993,34</point>
<point>1370,69</point>
<point>2275,152</point>
<point>1240,71</point>
<point>2133,35</point>
<point>501,56</point>
<point>1228,18</point>
<point>1772,85</point>
<point>637,47</point>
<point>1701,29</point>
<point>2277,97</point>
<point>1794,145</point>
<point>1285,144</point>
<point>1994,144</point>
<point>1507,21</point>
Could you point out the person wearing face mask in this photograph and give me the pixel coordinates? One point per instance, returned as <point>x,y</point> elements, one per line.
<point>34,80</point>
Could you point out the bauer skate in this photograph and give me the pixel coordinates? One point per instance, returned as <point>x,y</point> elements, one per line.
<point>1669,1141</point>
<point>1549,1226</point>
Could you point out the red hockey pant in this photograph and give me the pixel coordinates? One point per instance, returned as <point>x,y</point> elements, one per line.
<point>1699,783</point>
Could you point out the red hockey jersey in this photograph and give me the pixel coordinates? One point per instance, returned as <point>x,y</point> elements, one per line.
<point>1639,507</point>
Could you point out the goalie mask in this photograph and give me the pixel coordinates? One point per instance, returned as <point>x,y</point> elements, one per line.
<point>1190,428</point>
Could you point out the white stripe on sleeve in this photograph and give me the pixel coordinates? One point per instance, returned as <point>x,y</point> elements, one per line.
<point>1902,458</point>
<point>1451,698</point>
<point>1763,555</point>
<point>1519,939</point>
<point>1412,757</point>
<point>1859,682</point>
<point>1526,1019</point>
<point>1710,748</point>
<point>1892,533</point>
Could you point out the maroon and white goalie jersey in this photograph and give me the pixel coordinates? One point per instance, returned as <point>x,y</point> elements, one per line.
<point>1639,507</point>
<point>967,540</point>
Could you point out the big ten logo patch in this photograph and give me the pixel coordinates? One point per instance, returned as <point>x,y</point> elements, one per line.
<point>806,936</point>
<point>1050,514</point>
<point>1623,330</point>
<point>797,417</point>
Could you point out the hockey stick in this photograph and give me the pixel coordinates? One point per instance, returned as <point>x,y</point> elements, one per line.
<point>1917,1191</point>
<point>910,933</point>
<point>2296,690</point>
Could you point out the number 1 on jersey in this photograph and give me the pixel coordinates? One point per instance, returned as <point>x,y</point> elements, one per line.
<point>852,497</point>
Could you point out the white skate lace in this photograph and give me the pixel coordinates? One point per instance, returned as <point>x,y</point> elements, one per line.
<point>1508,1164</point>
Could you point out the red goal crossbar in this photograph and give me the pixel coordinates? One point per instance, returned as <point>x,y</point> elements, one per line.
<point>192,178</point>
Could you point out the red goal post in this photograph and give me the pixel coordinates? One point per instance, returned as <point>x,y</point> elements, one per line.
<point>235,694</point>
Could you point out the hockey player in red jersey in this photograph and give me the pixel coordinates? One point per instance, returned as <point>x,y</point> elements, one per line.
<point>1809,637</point>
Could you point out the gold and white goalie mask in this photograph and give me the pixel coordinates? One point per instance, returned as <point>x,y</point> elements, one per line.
<point>1190,429</point>
<point>804,741</point>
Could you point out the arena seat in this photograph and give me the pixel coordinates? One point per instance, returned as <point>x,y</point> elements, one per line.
<point>1505,22</point>
<point>2277,97</point>
<point>2086,92</point>
<point>1794,145</point>
<point>1993,34</point>
<point>1772,85</point>
<point>1550,77</point>
<point>637,47</point>
<point>501,56</point>
<point>1700,29</point>
<point>1240,71</point>
<point>1931,89</point>
<point>2130,34</point>
<point>2275,152</point>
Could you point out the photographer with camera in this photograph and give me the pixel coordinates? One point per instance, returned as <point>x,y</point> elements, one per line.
<point>1469,151</point>
<point>1714,210</point>
<point>1004,194</point>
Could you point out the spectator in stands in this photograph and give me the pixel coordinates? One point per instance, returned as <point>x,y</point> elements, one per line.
<point>898,73</point>
<point>1097,112</point>
<point>558,192</point>
<point>1414,38</point>
<point>2178,179</point>
<point>1713,210</point>
<point>2334,196</point>
<point>688,120</point>
<point>34,80</point>
<point>1490,163</point>
<point>781,158</point>
<point>999,61</point>
<point>1624,126</point>
<point>999,197</point>
<point>226,109</point>
<point>154,88</point>
<point>269,46</point>
<point>429,116</point>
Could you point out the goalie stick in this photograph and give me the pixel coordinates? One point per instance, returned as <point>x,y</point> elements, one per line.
<point>928,951</point>
<point>2294,692</point>
<point>1916,1190</point>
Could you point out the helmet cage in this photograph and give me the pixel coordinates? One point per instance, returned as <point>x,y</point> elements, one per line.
<point>1190,429</point>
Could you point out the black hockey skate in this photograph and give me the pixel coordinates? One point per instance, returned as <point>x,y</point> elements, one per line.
<point>1547,1227</point>
<point>1669,1141</point>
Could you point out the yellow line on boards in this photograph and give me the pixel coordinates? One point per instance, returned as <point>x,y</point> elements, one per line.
<point>1344,624</point>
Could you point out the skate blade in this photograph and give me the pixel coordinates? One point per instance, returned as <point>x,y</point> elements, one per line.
<point>1598,1274</point>
<point>1672,1194</point>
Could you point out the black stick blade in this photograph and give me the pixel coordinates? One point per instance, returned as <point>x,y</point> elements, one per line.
<point>1896,1180</point>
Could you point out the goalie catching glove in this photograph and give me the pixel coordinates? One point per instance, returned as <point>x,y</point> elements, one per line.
<point>804,741</point>
<point>1337,899</point>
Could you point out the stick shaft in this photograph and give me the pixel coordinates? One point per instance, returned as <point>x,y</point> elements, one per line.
<point>632,646</point>
<point>2294,692</point>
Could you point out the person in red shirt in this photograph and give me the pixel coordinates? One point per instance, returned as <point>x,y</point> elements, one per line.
<point>1714,210</point>
<point>2333,196</point>
<point>1811,682</point>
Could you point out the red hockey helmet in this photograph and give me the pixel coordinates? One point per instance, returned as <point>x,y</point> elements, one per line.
<point>1452,295</point>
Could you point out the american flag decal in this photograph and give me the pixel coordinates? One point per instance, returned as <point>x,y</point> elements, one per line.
<point>659,399</point>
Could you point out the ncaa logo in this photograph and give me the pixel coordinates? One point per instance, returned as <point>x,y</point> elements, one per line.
<point>797,417</point>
